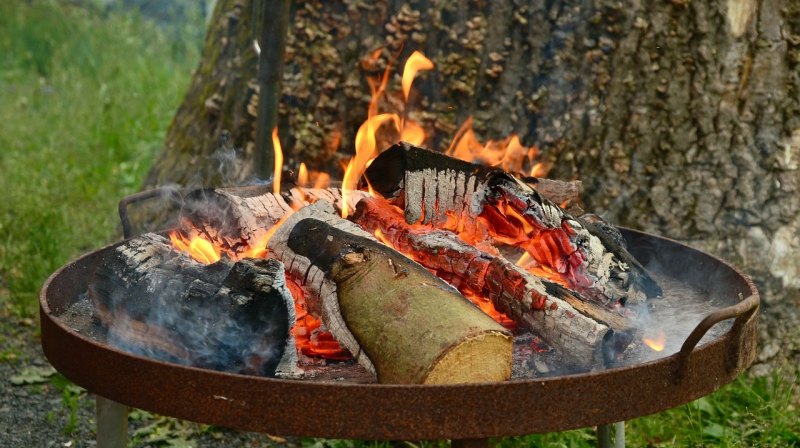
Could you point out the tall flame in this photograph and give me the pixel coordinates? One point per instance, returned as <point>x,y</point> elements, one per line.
<point>366,150</point>
<point>276,177</point>
<point>366,140</point>
<point>415,63</point>
<point>302,175</point>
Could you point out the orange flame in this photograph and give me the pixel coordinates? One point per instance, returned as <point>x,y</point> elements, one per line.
<point>657,343</point>
<point>416,62</point>
<point>302,175</point>
<point>366,150</point>
<point>366,141</point>
<point>509,154</point>
<point>322,180</point>
<point>276,177</point>
<point>199,248</point>
<point>412,133</point>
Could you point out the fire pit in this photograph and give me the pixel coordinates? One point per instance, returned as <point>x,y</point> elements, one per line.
<point>623,391</point>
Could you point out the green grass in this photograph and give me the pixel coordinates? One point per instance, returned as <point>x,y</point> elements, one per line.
<point>85,99</point>
<point>84,104</point>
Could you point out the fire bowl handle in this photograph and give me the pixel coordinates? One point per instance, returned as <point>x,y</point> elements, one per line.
<point>742,311</point>
<point>127,229</point>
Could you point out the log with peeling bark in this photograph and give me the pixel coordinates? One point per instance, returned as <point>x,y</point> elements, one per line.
<point>584,333</point>
<point>434,189</point>
<point>236,219</point>
<point>158,302</point>
<point>396,318</point>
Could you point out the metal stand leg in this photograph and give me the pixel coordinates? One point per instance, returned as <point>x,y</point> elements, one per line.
<point>112,423</point>
<point>604,435</point>
<point>469,443</point>
<point>619,435</point>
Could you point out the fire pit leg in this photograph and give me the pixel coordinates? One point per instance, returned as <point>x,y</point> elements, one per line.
<point>604,435</point>
<point>469,443</point>
<point>112,423</point>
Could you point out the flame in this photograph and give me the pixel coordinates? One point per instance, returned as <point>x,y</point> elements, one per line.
<point>538,170</point>
<point>302,175</point>
<point>366,140</point>
<point>509,154</point>
<point>412,133</point>
<point>256,250</point>
<point>488,308</point>
<point>199,248</point>
<point>416,62</point>
<point>657,343</point>
<point>366,150</point>
<point>379,235</point>
<point>322,180</point>
<point>276,177</point>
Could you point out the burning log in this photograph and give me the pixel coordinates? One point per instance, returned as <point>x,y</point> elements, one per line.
<point>237,219</point>
<point>585,333</point>
<point>156,301</point>
<point>486,203</point>
<point>395,317</point>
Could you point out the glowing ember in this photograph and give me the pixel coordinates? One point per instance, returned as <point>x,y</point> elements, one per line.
<point>276,177</point>
<point>657,343</point>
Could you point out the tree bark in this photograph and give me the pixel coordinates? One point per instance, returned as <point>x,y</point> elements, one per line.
<point>681,117</point>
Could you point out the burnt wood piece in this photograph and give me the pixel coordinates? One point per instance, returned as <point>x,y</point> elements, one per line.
<point>441,185</point>
<point>237,219</point>
<point>565,193</point>
<point>158,302</point>
<point>395,317</point>
<point>435,189</point>
<point>586,334</point>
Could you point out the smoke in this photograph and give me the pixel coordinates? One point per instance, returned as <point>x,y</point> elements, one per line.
<point>226,316</point>
<point>694,285</point>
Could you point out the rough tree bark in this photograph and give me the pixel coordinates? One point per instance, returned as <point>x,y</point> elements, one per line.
<point>681,117</point>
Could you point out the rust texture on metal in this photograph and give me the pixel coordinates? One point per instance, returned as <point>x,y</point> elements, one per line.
<point>416,412</point>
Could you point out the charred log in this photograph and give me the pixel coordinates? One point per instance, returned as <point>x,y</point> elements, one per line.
<point>447,193</point>
<point>395,317</point>
<point>584,333</point>
<point>430,186</point>
<point>237,219</point>
<point>158,302</point>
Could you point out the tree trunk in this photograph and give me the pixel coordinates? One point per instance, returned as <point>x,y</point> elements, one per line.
<point>681,117</point>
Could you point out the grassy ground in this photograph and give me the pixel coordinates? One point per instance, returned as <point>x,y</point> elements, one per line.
<point>85,98</point>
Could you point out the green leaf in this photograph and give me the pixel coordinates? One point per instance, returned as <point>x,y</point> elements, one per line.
<point>714,430</point>
<point>33,375</point>
<point>704,405</point>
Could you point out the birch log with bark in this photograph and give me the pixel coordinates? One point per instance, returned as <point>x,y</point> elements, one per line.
<point>681,117</point>
<point>584,334</point>
<point>396,318</point>
<point>158,302</point>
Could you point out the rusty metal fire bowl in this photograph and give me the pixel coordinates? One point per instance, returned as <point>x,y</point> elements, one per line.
<point>421,412</point>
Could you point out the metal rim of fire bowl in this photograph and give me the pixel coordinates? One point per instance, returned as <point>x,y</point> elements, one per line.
<point>406,412</point>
